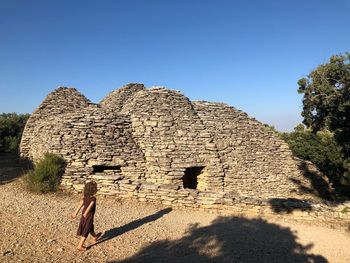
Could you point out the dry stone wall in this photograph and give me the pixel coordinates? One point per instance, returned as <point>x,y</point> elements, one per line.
<point>155,144</point>
<point>173,138</point>
<point>250,153</point>
<point>117,98</point>
<point>62,100</point>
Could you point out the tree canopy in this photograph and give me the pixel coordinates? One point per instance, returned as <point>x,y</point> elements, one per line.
<point>326,102</point>
<point>11,127</point>
<point>320,148</point>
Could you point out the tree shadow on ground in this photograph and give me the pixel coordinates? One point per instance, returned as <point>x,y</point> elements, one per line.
<point>230,239</point>
<point>12,167</point>
<point>112,233</point>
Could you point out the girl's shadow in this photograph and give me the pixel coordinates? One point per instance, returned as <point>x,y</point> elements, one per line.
<point>112,233</point>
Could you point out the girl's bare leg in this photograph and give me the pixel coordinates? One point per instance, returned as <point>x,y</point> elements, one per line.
<point>81,244</point>
<point>95,236</point>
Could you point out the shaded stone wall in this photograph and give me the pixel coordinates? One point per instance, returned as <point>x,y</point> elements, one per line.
<point>145,143</point>
<point>252,155</point>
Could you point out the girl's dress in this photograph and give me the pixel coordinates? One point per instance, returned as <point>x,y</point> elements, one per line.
<point>86,225</point>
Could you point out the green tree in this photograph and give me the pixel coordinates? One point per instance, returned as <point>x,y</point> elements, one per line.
<point>320,148</point>
<point>11,127</point>
<point>326,102</point>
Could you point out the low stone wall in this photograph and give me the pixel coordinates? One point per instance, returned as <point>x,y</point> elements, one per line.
<point>116,187</point>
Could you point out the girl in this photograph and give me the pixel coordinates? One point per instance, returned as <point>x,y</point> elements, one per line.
<point>86,224</point>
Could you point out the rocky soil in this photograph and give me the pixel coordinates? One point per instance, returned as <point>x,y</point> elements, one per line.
<point>38,228</point>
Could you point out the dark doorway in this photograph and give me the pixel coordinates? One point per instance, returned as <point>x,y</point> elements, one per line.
<point>190,179</point>
<point>102,168</point>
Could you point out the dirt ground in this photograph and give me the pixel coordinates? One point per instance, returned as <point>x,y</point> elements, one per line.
<point>38,228</point>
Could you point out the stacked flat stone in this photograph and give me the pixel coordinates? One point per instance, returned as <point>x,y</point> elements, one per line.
<point>252,156</point>
<point>173,138</point>
<point>145,140</point>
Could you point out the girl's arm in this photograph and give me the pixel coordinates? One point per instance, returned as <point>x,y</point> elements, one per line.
<point>88,209</point>
<point>74,214</point>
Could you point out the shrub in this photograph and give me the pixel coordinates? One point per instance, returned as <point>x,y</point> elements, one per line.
<point>11,127</point>
<point>46,174</point>
<point>320,148</point>
<point>11,143</point>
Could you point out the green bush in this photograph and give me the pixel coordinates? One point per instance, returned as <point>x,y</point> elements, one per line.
<point>11,127</point>
<point>11,143</point>
<point>46,174</point>
<point>320,148</point>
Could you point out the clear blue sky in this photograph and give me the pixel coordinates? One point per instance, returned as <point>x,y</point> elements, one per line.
<point>249,54</point>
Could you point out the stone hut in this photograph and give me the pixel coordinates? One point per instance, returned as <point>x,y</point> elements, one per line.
<point>156,144</point>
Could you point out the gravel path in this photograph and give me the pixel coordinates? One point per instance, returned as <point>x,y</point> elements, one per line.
<point>37,228</point>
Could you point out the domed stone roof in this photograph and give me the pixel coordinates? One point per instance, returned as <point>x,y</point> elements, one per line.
<point>155,144</point>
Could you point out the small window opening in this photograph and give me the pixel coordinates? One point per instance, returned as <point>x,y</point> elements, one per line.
<point>190,179</point>
<point>102,168</point>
